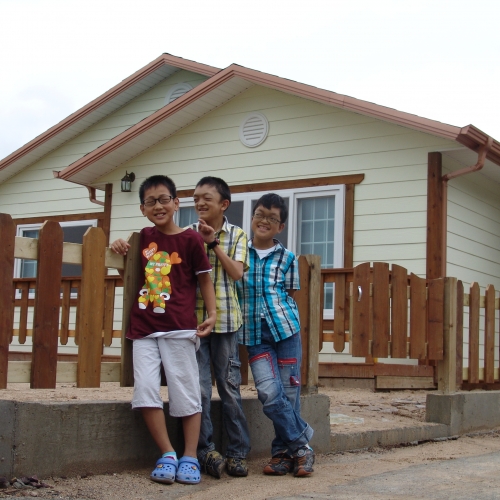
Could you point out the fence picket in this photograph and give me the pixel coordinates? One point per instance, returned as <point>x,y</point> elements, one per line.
<point>109,308</point>
<point>435,319</point>
<point>381,308</point>
<point>360,334</point>
<point>474,299</point>
<point>460,333</point>
<point>418,315</point>
<point>489,335</point>
<point>302,299</point>
<point>23,312</point>
<point>339,313</point>
<point>92,308</point>
<point>399,311</point>
<point>65,308</point>
<point>7,294</point>
<point>47,300</point>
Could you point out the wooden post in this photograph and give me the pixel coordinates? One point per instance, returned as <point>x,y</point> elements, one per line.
<point>47,303</point>
<point>315,312</point>
<point>132,280</point>
<point>302,298</point>
<point>88,372</point>
<point>447,367</point>
<point>8,238</point>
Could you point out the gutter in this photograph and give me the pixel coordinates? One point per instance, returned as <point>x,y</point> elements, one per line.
<point>483,151</point>
<point>91,190</point>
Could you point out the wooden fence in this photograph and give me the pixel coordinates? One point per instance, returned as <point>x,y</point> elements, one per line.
<point>381,313</point>
<point>52,299</point>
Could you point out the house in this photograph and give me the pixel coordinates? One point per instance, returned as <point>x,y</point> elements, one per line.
<point>364,182</point>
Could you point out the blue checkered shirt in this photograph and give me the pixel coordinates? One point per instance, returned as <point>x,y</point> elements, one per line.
<point>263,290</point>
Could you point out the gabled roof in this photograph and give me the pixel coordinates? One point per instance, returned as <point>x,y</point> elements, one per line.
<point>107,103</point>
<point>222,87</point>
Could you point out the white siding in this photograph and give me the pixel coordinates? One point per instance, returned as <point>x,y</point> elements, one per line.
<point>306,139</point>
<point>473,228</point>
<point>34,191</point>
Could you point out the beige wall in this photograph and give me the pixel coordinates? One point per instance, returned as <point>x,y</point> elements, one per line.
<point>34,191</point>
<point>306,139</point>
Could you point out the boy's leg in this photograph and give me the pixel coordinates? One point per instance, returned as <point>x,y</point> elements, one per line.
<point>226,363</point>
<point>291,430</point>
<point>155,421</point>
<point>147,361</point>
<point>211,461</point>
<point>191,428</point>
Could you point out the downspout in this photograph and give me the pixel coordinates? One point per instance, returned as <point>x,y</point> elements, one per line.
<point>91,190</point>
<point>483,151</point>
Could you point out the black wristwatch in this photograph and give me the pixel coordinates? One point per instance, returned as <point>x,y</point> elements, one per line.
<point>213,244</point>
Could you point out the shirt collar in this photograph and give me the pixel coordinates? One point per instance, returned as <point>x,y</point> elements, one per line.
<point>276,243</point>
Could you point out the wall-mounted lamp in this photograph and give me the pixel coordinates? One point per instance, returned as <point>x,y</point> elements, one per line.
<point>127,182</point>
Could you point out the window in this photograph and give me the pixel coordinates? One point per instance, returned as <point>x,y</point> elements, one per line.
<point>72,233</point>
<point>315,224</point>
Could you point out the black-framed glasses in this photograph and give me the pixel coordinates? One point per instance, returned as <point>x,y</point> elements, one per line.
<point>271,220</point>
<point>162,200</point>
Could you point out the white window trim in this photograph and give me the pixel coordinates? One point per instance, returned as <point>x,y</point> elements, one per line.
<point>294,195</point>
<point>26,227</point>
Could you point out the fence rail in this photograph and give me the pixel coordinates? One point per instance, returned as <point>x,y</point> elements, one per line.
<point>378,312</point>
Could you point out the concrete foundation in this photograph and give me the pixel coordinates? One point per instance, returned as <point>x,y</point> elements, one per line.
<point>50,439</point>
<point>464,411</point>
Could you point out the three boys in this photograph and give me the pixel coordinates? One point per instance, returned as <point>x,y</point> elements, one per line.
<point>270,330</point>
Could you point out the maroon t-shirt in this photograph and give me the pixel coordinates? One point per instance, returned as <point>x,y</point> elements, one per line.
<point>166,302</point>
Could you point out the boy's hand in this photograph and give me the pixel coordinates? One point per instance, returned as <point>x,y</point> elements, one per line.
<point>120,246</point>
<point>206,327</point>
<point>207,232</point>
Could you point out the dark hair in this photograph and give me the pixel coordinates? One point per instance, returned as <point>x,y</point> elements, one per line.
<point>271,200</point>
<point>219,184</point>
<point>155,181</point>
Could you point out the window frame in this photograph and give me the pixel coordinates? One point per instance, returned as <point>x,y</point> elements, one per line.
<point>37,226</point>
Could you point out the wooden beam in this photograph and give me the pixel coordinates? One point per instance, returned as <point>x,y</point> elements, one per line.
<point>59,218</point>
<point>388,382</point>
<point>434,216</point>
<point>288,184</point>
<point>7,239</point>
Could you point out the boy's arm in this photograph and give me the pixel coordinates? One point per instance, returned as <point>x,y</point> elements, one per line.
<point>120,247</point>
<point>208,294</point>
<point>232,267</point>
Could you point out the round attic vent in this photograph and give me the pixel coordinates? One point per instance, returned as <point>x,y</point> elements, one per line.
<point>254,130</point>
<point>176,91</point>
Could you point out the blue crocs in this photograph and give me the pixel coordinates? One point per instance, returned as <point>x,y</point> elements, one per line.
<point>165,470</point>
<point>188,471</point>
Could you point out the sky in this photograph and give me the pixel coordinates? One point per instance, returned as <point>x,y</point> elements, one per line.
<point>434,58</point>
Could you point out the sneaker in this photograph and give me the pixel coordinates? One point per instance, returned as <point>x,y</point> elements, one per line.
<point>279,465</point>
<point>303,461</point>
<point>236,467</point>
<point>213,464</point>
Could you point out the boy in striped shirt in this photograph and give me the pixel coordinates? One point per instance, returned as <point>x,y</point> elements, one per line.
<point>271,332</point>
<point>227,252</point>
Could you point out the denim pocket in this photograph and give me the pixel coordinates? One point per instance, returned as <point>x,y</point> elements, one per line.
<point>234,373</point>
<point>289,374</point>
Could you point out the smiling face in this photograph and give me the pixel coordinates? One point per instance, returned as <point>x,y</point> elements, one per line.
<point>266,224</point>
<point>161,215</point>
<point>209,205</point>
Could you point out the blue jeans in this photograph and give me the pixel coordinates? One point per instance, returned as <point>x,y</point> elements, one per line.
<point>222,350</point>
<point>276,372</point>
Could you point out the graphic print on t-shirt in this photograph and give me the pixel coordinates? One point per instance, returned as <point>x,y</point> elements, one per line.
<point>157,288</point>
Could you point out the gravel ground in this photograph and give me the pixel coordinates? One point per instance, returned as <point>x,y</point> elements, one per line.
<point>352,410</point>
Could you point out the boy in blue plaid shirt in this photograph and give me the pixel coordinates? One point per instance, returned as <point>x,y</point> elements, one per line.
<point>271,332</point>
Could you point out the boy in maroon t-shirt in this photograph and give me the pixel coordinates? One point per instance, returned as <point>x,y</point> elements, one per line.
<point>163,327</point>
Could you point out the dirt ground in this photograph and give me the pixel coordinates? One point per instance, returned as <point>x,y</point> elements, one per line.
<point>351,410</point>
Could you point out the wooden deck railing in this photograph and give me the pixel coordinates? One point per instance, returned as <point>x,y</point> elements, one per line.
<point>382,313</point>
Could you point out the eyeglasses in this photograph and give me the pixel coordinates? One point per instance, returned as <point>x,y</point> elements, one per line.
<point>271,220</point>
<point>163,200</point>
